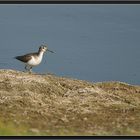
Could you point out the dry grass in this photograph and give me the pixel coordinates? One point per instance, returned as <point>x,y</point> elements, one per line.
<point>51,105</point>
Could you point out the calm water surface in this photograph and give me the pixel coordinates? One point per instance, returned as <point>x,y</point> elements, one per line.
<point>91,42</point>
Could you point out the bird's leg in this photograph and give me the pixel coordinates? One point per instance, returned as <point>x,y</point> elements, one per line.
<point>30,70</point>
<point>26,67</point>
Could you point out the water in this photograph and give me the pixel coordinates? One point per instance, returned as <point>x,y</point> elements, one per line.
<point>91,42</point>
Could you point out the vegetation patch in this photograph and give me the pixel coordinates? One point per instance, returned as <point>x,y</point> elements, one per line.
<point>36,104</point>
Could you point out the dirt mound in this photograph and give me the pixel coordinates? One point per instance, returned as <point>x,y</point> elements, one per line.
<point>38,104</point>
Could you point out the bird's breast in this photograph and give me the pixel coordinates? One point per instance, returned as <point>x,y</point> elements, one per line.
<point>35,61</point>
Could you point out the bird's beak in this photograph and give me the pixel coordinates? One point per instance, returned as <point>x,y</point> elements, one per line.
<point>50,51</point>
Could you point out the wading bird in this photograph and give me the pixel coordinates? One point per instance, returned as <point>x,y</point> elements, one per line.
<point>33,59</point>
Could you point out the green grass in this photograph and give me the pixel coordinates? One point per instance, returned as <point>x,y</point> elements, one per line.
<point>10,129</point>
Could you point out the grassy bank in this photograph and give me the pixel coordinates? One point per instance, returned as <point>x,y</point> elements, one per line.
<point>33,104</point>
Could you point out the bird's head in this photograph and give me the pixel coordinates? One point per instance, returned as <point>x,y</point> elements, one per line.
<point>44,48</point>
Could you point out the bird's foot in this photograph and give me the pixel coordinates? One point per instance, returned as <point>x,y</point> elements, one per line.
<point>30,71</point>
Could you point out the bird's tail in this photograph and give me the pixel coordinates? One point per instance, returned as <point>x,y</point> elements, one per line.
<point>16,57</point>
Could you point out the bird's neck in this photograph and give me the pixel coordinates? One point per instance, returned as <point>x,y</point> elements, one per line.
<point>40,54</point>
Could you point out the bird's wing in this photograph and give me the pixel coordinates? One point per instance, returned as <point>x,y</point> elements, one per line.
<point>24,58</point>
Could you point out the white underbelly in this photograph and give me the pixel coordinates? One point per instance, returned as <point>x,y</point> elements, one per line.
<point>34,62</point>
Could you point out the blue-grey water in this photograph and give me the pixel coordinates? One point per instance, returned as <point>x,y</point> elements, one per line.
<point>91,42</point>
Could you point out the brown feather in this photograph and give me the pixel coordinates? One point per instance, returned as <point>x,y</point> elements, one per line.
<point>26,58</point>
